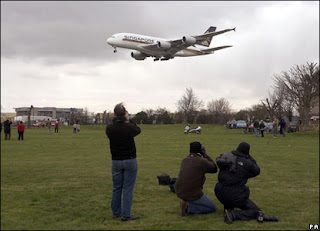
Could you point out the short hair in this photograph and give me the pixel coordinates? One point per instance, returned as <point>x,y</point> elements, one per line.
<point>119,110</point>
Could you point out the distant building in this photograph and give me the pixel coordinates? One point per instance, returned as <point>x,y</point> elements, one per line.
<point>43,113</point>
<point>7,115</point>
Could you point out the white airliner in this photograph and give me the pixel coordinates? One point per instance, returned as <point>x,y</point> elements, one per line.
<point>162,49</point>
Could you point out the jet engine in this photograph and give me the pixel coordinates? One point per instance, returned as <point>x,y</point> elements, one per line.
<point>188,40</point>
<point>138,55</point>
<point>164,45</point>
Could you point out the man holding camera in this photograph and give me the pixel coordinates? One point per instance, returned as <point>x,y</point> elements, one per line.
<point>121,133</point>
<point>235,169</point>
<point>191,178</point>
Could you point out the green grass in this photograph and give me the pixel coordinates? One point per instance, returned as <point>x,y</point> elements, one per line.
<point>63,181</point>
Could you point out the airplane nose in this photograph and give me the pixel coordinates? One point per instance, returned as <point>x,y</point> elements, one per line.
<point>109,41</point>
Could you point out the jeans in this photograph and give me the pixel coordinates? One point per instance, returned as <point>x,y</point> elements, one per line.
<point>124,173</point>
<point>256,131</point>
<point>202,206</point>
<point>275,132</point>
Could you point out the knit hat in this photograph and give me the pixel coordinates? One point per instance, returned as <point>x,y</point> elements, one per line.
<point>244,148</point>
<point>195,147</point>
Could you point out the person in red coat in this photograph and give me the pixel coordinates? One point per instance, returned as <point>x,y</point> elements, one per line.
<point>56,128</point>
<point>21,130</point>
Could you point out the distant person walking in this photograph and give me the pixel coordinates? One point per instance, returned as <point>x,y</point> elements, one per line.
<point>7,129</point>
<point>256,127</point>
<point>20,130</point>
<point>56,127</point>
<point>275,128</point>
<point>121,133</point>
<point>283,127</point>
<point>262,127</point>
<point>48,124</point>
<point>74,128</point>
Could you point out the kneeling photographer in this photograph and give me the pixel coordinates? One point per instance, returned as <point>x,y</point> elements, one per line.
<point>189,185</point>
<point>235,169</point>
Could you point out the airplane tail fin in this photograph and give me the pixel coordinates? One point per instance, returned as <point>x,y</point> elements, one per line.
<point>208,41</point>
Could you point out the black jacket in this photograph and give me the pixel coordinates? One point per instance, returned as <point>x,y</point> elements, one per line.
<point>231,187</point>
<point>120,134</point>
<point>6,126</point>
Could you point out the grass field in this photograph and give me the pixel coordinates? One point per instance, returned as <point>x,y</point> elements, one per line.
<point>63,181</point>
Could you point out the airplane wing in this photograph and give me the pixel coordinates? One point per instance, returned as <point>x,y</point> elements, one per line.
<point>178,44</point>
<point>211,50</point>
<point>208,36</point>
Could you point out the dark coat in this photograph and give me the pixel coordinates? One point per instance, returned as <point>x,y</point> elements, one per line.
<point>191,176</point>
<point>231,187</point>
<point>6,126</point>
<point>121,134</point>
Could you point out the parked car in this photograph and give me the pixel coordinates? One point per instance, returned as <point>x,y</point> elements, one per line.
<point>241,124</point>
<point>232,124</point>
<point>292,127</point>
<point>38,125</point>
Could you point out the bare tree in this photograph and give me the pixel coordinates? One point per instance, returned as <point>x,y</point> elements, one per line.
<point>301,86</point>
<point>220,110</point>
<point>189,105</point>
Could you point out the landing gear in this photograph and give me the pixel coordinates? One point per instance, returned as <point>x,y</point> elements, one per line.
<point>156,59</point>
<point>115,50</point>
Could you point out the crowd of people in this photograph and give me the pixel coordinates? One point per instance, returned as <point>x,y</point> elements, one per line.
<point>21,128</point>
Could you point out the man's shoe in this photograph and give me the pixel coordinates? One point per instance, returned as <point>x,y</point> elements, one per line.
<point>183,208</point>
<point>228,217</point>
<point>115,216</point>
<point>129,218</point>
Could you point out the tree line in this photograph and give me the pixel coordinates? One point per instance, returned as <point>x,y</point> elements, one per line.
<point>294,91</point>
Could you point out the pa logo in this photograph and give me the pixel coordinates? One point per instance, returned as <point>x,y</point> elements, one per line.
<point>313,226</point>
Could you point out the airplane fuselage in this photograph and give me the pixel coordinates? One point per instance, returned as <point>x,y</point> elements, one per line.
<point>134,42</point>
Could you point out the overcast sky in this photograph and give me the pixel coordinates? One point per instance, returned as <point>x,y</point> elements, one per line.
<point>54,54</point>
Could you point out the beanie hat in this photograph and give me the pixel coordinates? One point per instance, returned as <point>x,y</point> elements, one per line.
<point>244,148</point>
<point>195,147</point>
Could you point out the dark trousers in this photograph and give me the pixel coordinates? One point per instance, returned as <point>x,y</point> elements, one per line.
<point>20,135</point>
<point>7,135</point>
<point>262,133</point>
<point>56,130</point>
<point>249,210</point>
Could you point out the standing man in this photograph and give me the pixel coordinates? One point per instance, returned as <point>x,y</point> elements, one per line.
<point>262,127</point>
<point>191,178</point>
<point>275,127</point>
<point>256,127</point>
<point>231,190</point>
<point>121,133</point>
<point>20,130</point>
<point>56,128</point>
<point>283,127</point>
<point>7,129</point>
<point>48,124</point>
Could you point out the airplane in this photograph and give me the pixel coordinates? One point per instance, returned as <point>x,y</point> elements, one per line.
<point>162,49</point>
